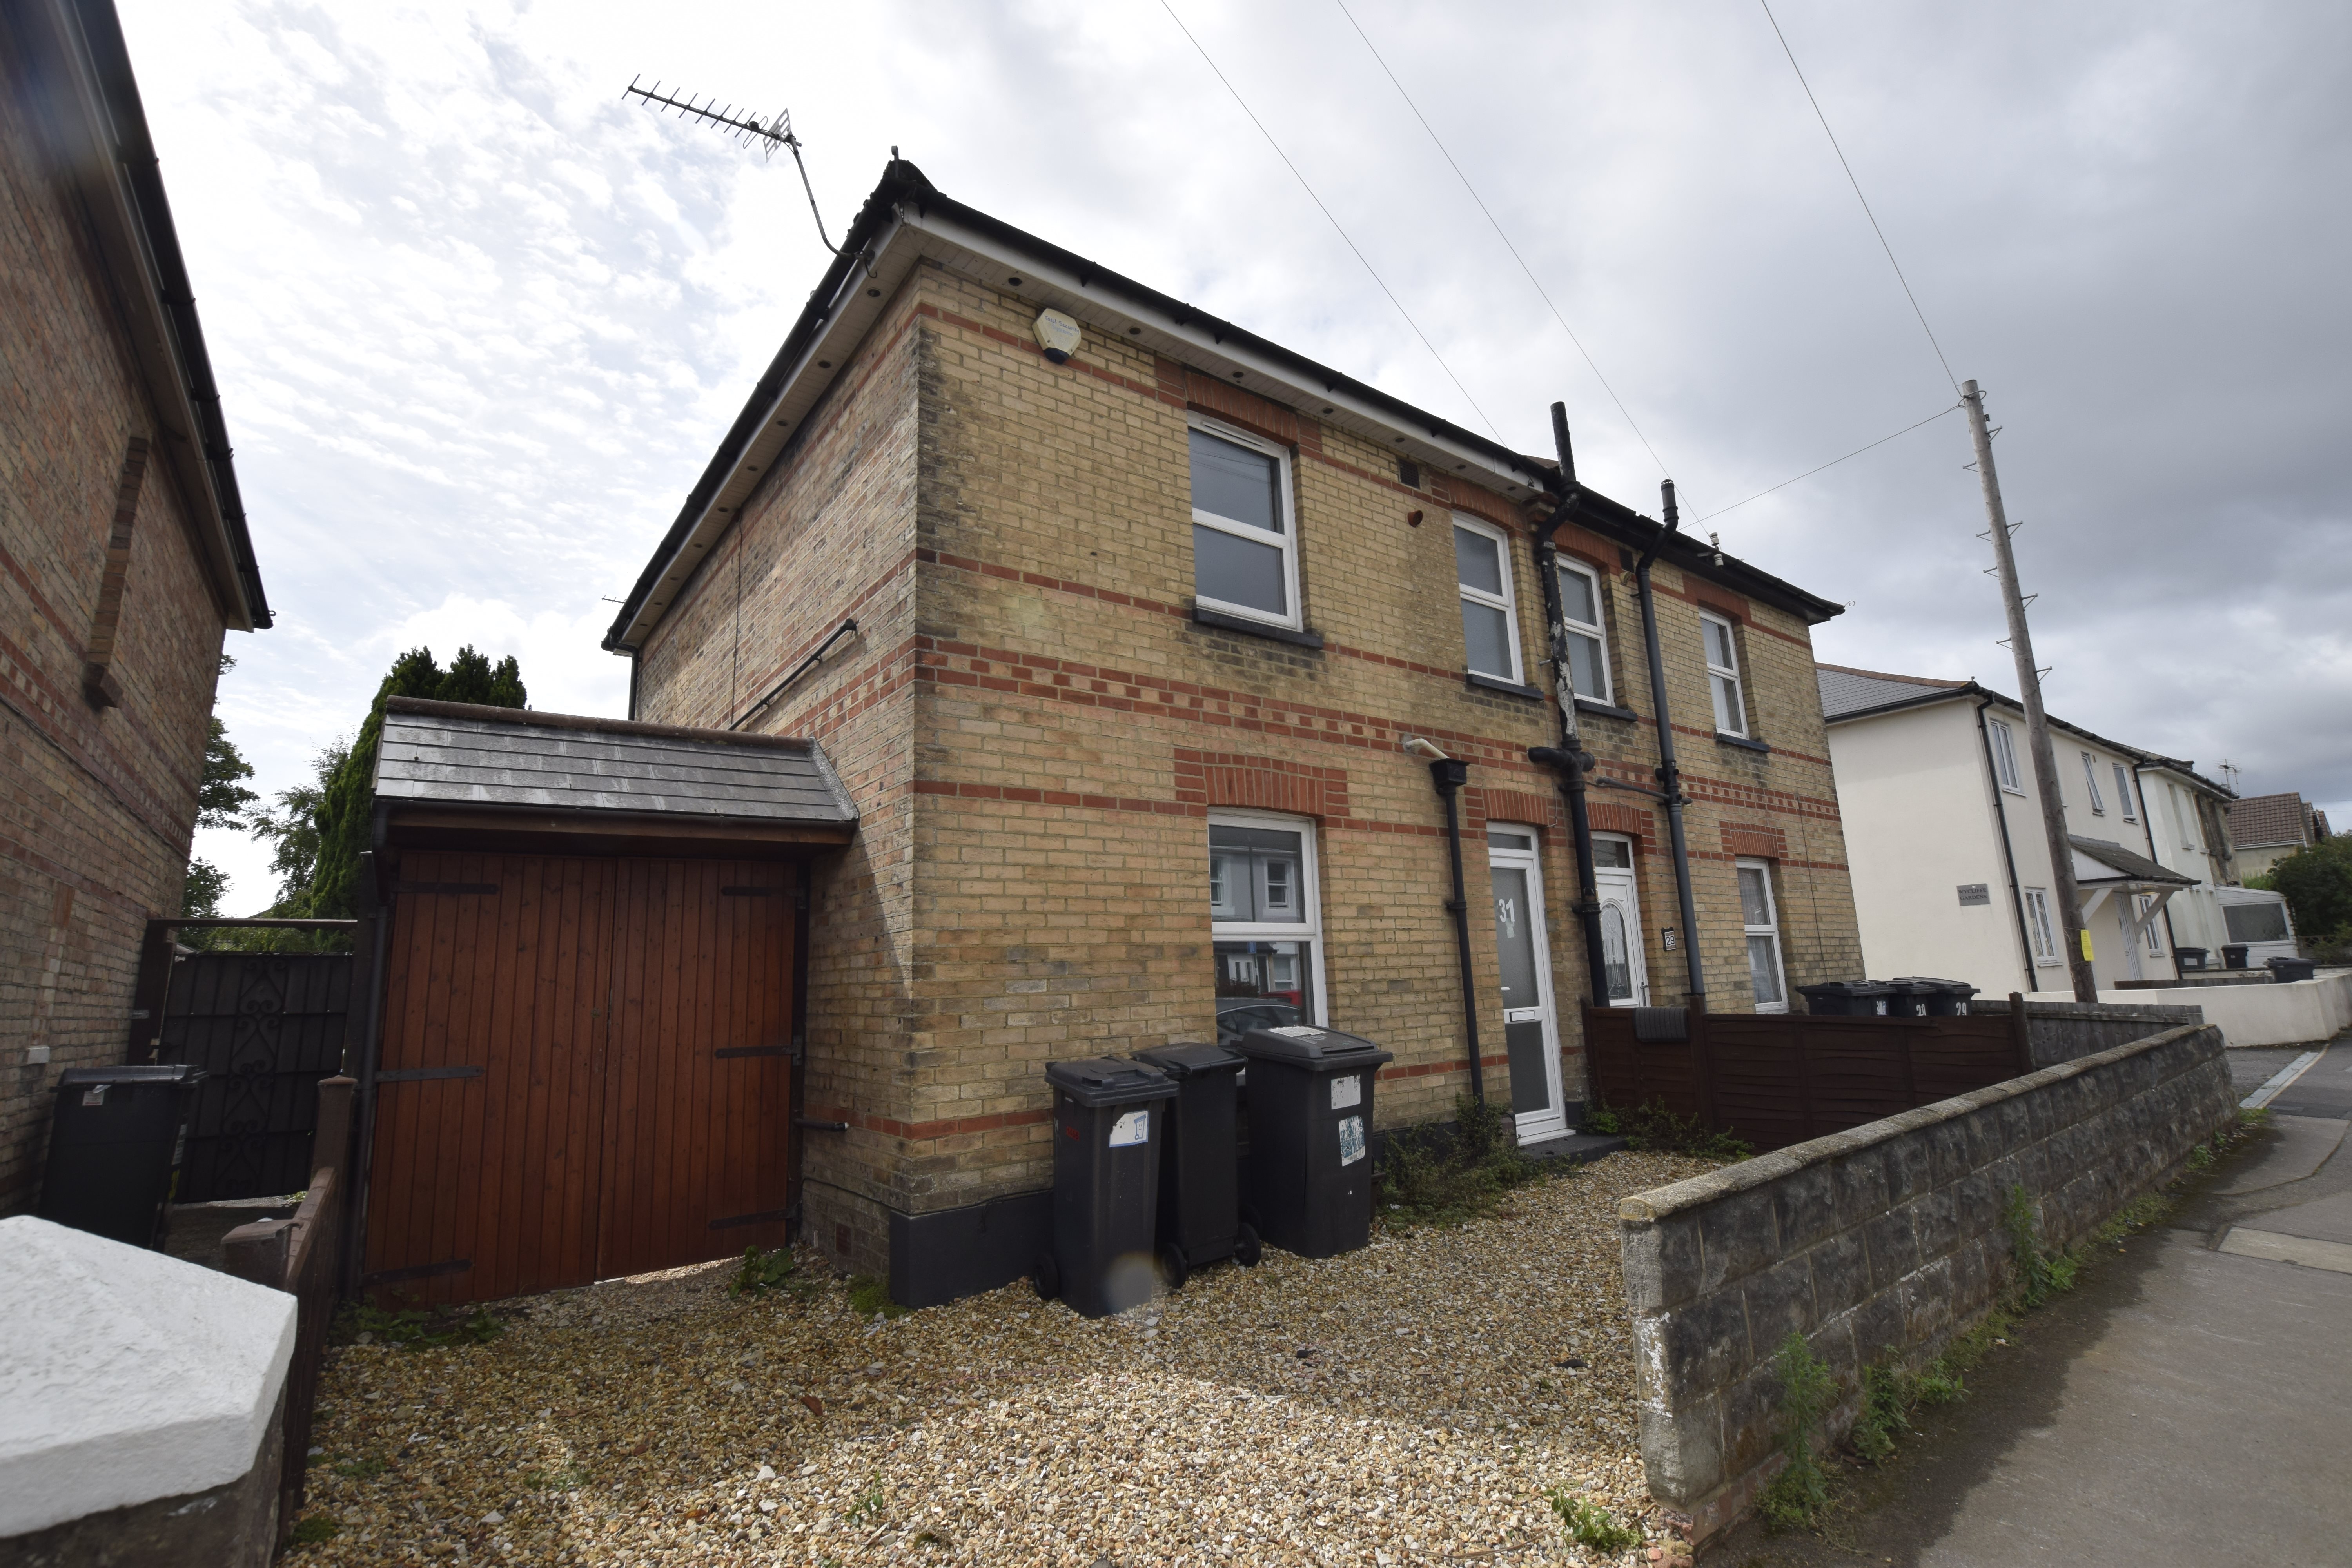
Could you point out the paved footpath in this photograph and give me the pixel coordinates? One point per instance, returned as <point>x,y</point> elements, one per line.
<point>2190,1402</point>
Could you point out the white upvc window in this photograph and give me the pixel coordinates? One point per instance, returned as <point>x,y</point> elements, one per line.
<point>1587,636</point>
<point>1265,923</point>
<point>2038,925</point>
<point>2091,782</point>
<point>1722,674</point>
<point>1490,621</point>
<point>2004,755</point>
<point>2124,794</point>
<point>2184,813</point>
<point>1244,539</point>
<point>2146,909</point>
<point>1760,918</point>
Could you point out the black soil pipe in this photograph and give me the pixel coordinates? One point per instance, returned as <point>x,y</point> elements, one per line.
<point>1449,775</point>
<point>1569,760</point>
<point>1670,773</point>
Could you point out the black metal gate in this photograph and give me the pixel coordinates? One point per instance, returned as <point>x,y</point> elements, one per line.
<point>265,1028</point>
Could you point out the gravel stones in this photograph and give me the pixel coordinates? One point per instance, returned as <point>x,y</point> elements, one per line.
<point>1414,1401</point>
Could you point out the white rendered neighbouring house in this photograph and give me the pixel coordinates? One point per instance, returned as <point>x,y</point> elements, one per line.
<point>1951,867</point>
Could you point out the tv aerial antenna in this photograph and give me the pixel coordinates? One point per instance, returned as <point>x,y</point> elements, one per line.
<point>747,128</point>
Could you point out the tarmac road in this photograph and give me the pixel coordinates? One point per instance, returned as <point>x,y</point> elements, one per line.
<point>2190,1403</point>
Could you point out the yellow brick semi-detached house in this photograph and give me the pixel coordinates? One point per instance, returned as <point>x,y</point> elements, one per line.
<point>1140,636</point>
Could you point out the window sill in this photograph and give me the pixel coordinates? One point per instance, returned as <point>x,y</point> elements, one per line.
<point>1604,710</point>
<point>1508,688</point>
<point>1742,741</point>
<point>1226,623</point>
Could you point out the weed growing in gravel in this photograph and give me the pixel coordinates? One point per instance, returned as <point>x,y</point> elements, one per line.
<point>868,1295</point>
<point>763,1271</point>
<point>1799,1492</point>
<point>1653,1128</point>
<point>365,1468</point>
<point>870,1505</point>
<point>319,1526</point>
<point>1429,1177</point>
<point>1589,1525</point>
<point>564,1480</point>
<point>415,1328</point>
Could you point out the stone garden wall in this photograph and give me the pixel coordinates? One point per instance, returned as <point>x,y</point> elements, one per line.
<point>1880,1243</point>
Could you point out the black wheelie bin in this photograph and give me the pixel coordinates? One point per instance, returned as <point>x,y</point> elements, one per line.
<point>1847,998</point>
<point>1200,1196</point>
<point>1310,1187</point>
<point>1937,998</point>
<point>115,1150</point>
<point>1109,1129</point>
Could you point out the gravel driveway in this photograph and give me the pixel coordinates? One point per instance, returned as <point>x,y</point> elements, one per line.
<point>1411,1403</point>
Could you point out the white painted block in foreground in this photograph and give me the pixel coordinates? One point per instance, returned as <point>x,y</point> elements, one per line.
<point>2330,1255</point>
<point>126,1376</point>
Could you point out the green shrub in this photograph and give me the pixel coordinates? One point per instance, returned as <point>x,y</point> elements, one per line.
<point>1429,1177</point>
<point>1589,1525</point>
<point>2041,1274</point>
<point>761,1272</point>
<point>1653,1128</point>
<point>1798,1493</point>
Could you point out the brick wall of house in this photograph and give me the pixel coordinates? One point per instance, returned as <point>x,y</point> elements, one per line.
<point>1070,727</point>
<point>831,536</point>
<point>97,808</point>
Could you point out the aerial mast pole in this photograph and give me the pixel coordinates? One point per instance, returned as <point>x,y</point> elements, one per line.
<point>2037,722</point>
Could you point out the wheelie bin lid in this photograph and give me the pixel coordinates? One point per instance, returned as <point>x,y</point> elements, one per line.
<point>169,1072</point>
<point>1106,1080</point>
<point>1318,1050</point>
<point>1184,1058</point>
<point>1848,988</point>
<point>1927,983</point>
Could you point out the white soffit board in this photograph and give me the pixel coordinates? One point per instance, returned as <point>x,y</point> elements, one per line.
<point>126,1376</point>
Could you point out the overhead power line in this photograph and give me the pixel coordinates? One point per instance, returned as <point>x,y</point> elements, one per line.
<point>1833,463</point>
<point>1631,422</point>
<point>1856,183</point>
<point>1335,222</point>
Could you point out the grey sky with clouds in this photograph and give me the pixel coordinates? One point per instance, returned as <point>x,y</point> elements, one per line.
<point>478,324</point>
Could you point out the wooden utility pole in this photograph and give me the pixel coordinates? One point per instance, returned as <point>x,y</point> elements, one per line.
<point>2037,722</point>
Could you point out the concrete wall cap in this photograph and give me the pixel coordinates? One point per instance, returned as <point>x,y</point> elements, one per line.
<point>126,1375</point>
<point>1680,1197</point>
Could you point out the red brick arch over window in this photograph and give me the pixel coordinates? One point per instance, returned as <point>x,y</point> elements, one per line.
<point>1610,817</point>
<point>1523,805</point>
<point>1761,843</point>
<point>1216,779</point>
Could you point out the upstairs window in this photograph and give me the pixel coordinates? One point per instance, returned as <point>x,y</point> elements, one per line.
<point>1245,548</point>
<point>2124,794</point>
<point>1723,675</point>
<point>1761,921</point>
<point>2004,755</point>
<point>1588,638</point>
<point>2091,782</point>
<point>1490,624</point>
<point>2184,816</point>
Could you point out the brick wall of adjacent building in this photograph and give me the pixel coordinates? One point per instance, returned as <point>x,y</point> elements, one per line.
<point>1036,793</point>
<point>97,808</point>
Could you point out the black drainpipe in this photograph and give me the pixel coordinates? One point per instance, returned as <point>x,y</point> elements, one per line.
<point>636,656</point>
<point>1449,775</point>
<point>2008,856</point>
<point>1569,760</point>
<point>1670,773</point>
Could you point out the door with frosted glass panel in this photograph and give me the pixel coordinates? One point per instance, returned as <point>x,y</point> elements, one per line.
<point>1625,979</point>
<point>1530,1024</point>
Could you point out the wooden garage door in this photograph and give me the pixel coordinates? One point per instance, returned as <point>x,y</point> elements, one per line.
<point>585,1070</point>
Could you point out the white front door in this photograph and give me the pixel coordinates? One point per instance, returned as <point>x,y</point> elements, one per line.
<point>1530,1024</point>
<point>1626,983</point>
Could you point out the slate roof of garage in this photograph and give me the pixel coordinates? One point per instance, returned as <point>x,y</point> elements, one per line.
<point>455,754</point>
